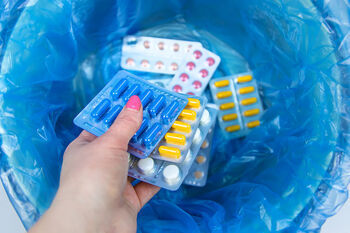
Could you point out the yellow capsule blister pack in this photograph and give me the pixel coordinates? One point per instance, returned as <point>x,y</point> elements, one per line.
<point>176,143</point>
<point>239,103</point>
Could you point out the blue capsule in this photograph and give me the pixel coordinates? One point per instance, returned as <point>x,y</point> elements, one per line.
<point>152,134</point>
<point>157,105</point>
<point>112,114</point>
<point>133,90</point>
<point>101,109</point>
<point>169,112</point>
<point>119,88</point>
<point>146,98</point>
<point>142,128</point>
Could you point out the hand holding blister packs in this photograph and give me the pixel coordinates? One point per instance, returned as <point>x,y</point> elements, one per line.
<point>160,109</point>
<point>239,103</point>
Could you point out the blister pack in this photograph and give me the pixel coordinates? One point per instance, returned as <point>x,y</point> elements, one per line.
<point>157,55</point>
<point>167,174</point>
<point>239,102</point>
<point>161,82</point>
<point>198,173</point>
<point>195,72</point>
<point>160,109</point>
<point>178,140</point>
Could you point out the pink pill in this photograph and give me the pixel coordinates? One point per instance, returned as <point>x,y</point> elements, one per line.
<point>197,54</point>
<point>190,93</point>
<point>184,77</point>
<point>197,84</point>
<point>159,65</point>
<point>161,45</point>
<point>176,47</point>
<point>204,73</point>
<point>177,88</point>
<point>146,44</point>
<point>130,62</point>
<point>145,63</point>
<point>210,61</point>
<point>190,65</point>
<point>174,66</point>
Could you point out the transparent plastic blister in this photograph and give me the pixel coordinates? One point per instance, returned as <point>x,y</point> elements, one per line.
<point>160,109</point>
<point>177,142</point>
<point>157,55</point>
<point>198,173</point>
<point>167,174</point>
<point>195,72</point>
<point>239,102</point>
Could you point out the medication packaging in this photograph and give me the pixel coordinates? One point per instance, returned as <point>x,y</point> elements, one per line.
<point>239,102</point>
<point>157,55</point>
<point>167,174</point>
<point>160,109</point>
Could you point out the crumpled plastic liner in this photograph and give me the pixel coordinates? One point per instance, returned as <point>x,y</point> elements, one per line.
<point>288,175</point>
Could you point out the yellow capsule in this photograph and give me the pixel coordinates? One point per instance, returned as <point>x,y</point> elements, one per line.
<point>169,152</point>
<point>224,94</point>
<point>188,115</point>
<point>246,90</point>
<point>193,103</point>
<point>244,79</point>
<point>249,101</point>
<point>222,83</point>
<point>251,112</point>
<point>226,106</point>
<point>253,124</point>
<point>233,128</point>
<point>175,138</point>
<point>182,127</point>
<point>229,117</point>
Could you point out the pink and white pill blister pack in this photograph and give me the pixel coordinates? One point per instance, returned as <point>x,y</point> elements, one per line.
<point>157,55</point>
<point>195,72</point>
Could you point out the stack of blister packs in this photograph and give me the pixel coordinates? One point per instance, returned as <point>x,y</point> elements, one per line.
<point>174,141</point>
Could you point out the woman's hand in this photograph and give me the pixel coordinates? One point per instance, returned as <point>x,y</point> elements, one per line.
<point>95,194</point>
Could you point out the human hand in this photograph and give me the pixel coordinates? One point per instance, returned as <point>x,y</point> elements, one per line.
<point>95,194</point>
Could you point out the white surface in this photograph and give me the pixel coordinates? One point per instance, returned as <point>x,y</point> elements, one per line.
<point>339,223</point>
<point>9,221</point>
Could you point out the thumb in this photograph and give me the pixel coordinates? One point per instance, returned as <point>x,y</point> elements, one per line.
<point>125,126</point>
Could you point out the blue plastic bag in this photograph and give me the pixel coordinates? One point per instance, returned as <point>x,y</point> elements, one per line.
<point>287,175</point>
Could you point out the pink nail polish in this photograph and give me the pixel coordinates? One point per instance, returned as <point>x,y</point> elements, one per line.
<point>134,103</point>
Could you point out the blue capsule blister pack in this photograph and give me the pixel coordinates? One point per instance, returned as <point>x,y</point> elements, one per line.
<point>239,102</point>
<point>178,140</point>
<point>167,174</point>
<point>197,176</point>
<point>160,109</point>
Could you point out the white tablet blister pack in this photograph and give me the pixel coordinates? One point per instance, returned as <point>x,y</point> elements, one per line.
<point>170,175</point>
<point>239,102</point>
<point>157,55</point>
<point>183,133</point>
<point>195,72</point>
<point>198,174</point>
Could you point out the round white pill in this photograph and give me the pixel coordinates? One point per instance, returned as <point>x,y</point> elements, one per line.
<point>197,137</point>
<point>146,166</point>
<point>205,120</point>
<point>171,174</point>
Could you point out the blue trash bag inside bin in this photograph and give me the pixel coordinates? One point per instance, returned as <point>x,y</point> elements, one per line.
<point>288,175</point>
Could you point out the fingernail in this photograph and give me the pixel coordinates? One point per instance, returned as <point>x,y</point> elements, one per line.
<point>134,103</point>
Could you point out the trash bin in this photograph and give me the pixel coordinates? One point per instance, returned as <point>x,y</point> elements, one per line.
<point>286,176</point>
